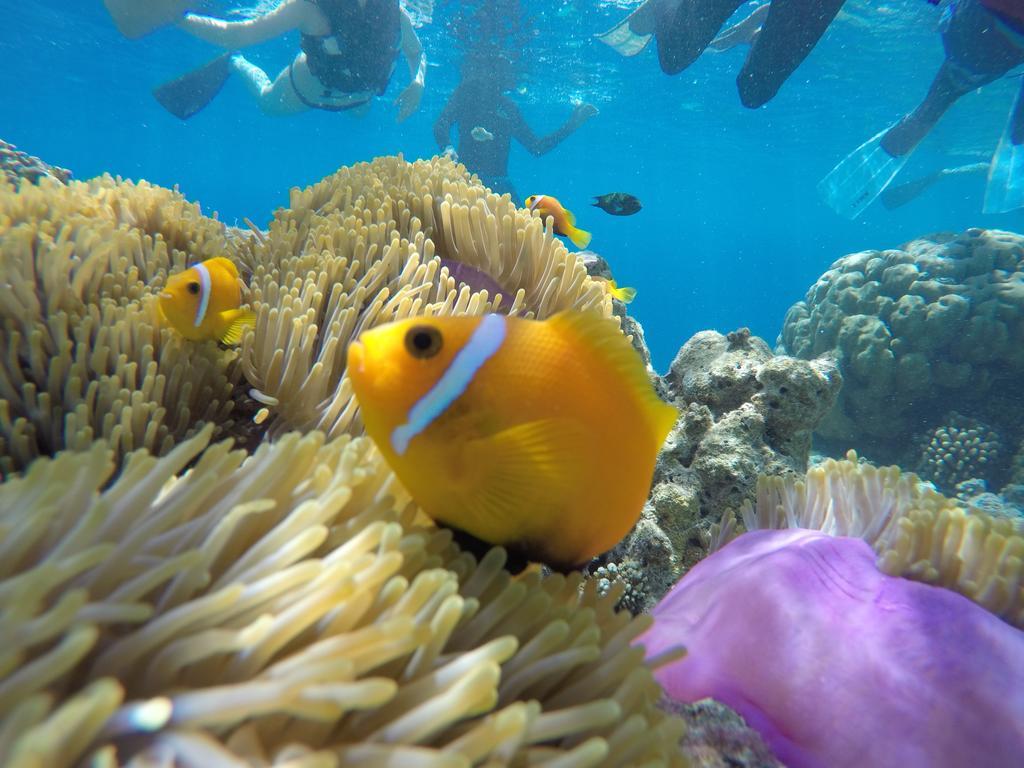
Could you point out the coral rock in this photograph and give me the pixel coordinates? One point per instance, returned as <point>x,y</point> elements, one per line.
<point>936,321</point>
<point>743,412</point>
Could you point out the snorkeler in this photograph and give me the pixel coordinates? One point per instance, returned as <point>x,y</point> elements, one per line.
<point>683,29</point>
<point>983,40</point>
<point>348,54</point>
<point>488,121</point>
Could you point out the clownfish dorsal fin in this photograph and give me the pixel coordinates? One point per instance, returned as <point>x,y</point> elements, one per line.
<point>226,263</point>
<point>601,337</point>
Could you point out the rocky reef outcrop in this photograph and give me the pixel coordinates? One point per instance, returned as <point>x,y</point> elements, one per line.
<point>743,412</point>
<point>935,323</point>
<point>16,165</point>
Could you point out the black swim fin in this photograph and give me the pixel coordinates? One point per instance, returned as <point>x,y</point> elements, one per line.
<point>188,94</point>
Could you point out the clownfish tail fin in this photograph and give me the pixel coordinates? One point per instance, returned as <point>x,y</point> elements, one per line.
<point>580,237</point>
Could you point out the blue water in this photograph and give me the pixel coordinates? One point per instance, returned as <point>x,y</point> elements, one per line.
<point>732,231</point>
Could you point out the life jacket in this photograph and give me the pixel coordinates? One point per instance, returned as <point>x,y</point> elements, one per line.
<point>359,53</point>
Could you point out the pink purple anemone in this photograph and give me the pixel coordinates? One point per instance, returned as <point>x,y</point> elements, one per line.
<point>839,665</point>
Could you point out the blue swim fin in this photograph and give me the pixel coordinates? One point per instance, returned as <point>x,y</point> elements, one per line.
<point>862,176</point>
<point>1005,189</point>
<point>188,94</point>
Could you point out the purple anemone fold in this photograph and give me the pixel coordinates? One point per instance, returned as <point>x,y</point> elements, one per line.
<point>476,279</point>
<point>839,665</point>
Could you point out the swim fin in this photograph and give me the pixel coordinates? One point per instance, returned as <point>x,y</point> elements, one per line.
<point>901,194</point>
<point>862,176</point>
<point>135,18</point>
<point>191,92</point>
<point>632,34</point>
<point>1005,189</point>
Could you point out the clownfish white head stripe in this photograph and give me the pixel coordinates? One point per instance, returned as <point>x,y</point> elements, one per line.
<point>485,341</point>
<point>537,201</point>
<point>204,293</point>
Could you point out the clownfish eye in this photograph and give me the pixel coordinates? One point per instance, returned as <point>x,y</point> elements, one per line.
<point>423,342</point>
<point>193,287</point>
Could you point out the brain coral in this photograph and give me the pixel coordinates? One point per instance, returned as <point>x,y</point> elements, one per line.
<point>939,320</point>
<point>282,608</point>
<point>86,357</point>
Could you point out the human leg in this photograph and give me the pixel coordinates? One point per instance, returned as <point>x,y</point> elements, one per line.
<point>790,32</point>
<point>274,98</point>
<point>684,28</point>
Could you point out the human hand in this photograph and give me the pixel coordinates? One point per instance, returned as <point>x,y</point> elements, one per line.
<point>408,100</point>
<point>583,112</point>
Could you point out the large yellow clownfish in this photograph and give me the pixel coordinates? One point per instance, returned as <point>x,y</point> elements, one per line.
<point>537,435</point>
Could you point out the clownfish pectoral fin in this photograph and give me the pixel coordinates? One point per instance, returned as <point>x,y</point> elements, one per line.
<point>522,475</point>
<point>580,238</point>
<point>236,321</point>
<point>600,336</point>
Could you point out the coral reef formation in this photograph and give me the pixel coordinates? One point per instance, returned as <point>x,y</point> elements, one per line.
<point>717,737</point>
<point>840,668</point>
<point>936,321</point>
<point>284,608</point>
<point>959,450</point>
<point>87,358</point>
<point>17,165</point>
<point>744,412</point>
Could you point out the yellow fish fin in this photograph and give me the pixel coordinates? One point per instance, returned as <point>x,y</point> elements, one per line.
<point>236,321</point>
<point>224,262</point>
<point>570,217</point>
<point>580,238</point>
<point>625,295</point>
<point>521,477</point>
<point>600,336</point>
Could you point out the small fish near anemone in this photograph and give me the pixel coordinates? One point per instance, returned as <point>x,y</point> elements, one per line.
<point>536,435</point>
<point>565,222</point>
<point>202,302</point>
<point>622,293</point>
<point>617,204</point>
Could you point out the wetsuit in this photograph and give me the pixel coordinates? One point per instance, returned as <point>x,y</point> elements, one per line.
<point>359,53</point>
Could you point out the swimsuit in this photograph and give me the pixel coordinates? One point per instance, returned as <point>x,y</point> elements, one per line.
<point>355,60</point>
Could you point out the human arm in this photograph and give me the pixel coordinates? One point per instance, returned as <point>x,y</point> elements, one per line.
<point>539,145</point>
<point>408,100</point>
<point>449,117</point>
<point>290,14</point>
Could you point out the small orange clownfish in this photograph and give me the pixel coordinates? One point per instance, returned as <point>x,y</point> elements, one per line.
<point>539,436</point>
<point>565,222</point>
<point>202,302</point>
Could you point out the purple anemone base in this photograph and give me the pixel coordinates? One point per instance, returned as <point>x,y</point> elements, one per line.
<point>839,665</point>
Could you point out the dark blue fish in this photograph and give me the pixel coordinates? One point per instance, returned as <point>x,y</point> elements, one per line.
<point>617,204</point>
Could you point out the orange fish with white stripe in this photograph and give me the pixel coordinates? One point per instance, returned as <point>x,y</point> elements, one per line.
<point>202,302</point>
<point>537,435</point>
<point>563,219</point>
